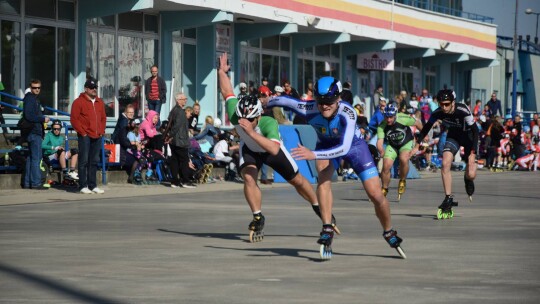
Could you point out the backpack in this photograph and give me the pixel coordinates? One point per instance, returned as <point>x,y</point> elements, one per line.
<point>17,158</point>
<point>163,171</point>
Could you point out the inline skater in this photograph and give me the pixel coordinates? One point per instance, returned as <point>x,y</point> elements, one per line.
<point>260,144</point>
<point>338,137</point>
<point>462,131</point>
<point>395,129</point>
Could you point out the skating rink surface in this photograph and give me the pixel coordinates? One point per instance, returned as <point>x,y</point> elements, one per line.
<point>153,244</point>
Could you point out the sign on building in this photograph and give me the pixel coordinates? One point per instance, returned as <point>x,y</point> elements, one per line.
<point>383,60</point>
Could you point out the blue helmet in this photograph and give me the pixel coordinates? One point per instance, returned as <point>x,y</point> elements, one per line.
<point>526,129</point>
<point>327,89</point>
<point>390,110</point>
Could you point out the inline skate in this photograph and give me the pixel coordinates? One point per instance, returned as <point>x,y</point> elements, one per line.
<point>469,187</point>
<point>256,227</point>
<point>401,188</point>
<point>445,209</point>
<point>327,235</point>
<point>394,241</point>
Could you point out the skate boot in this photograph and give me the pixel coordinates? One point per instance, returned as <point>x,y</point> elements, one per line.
<point>445,209</point>
<point>137,178</point>
<point>469,187</point>
<point>256,226</point>
<point>401,188</point>
<point>394,241</point>
<point>327,235</point>
<point>384,191</point>
<point>317,210</point>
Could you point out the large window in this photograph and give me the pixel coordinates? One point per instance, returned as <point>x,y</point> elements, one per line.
<point>39,57</point>
<point>10,62</point>
<point>119,53</point>
<point>316,62</point>
<point>184,54</point>
<point>266,57</point>
<point>38,43</point>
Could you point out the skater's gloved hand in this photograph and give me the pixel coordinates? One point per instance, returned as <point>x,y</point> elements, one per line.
<point>302,153</point>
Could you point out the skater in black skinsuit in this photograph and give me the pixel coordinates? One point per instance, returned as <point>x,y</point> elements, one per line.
<point>462,131</point>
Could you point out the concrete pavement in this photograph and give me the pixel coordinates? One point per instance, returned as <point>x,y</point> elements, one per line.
<point>155,244</point>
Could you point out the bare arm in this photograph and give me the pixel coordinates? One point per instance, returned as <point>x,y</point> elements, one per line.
<point>224,81</point>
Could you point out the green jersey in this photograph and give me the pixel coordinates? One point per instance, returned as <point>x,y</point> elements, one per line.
<point>399,133</point>
<point>267,127</point>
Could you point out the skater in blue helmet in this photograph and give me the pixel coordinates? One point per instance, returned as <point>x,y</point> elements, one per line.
<point>338,137</point>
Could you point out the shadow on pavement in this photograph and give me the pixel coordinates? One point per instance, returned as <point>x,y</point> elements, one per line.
<point>55,286</point>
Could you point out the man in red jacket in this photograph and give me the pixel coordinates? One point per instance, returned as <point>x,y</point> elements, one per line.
<point>88,119</point>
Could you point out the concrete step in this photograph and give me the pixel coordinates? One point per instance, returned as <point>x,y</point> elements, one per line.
<point>13,180</point>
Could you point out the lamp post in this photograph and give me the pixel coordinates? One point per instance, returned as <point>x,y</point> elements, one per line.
<point>514,72</point>
<point>528,12</point>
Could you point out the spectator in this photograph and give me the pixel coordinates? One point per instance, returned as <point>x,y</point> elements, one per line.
<point>377,117</point>
<point>346,96</point>
<point>361,120</point>
<point>377,95</point>
<point>178,133</point>
<point>225,152</point>
<point>88,119</point>
<point>534,120</point>
<point>194,120</point>
<point>32,112</point>
<point>290,91</point>
<point>53,148</point>
<point>243,90</point>
<point>309,91</point>
<point>278,112</point>
<point>128,161</point>
<point>424,104</point>
<point>487,112</point>
<point>129,113</point>
<point>414,102</point>
<point>477,111</point>
<point>156,91</point>
<point>265,83</point>
<point>208,132</point>
<point>494,105</point>
<point>148,130</point>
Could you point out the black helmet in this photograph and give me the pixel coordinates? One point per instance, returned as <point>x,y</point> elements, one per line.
<point>327,89</point>
<point>56,122</point>
<point>445,95</point>
<point>249,107</point>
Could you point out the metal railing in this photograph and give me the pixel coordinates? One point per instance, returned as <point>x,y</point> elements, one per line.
<point>67,127</point>
<point>430,6</point>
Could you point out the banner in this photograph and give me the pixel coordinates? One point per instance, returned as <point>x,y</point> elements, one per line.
<point>114,155</point>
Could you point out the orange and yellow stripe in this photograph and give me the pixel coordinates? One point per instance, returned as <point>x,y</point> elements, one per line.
<point>373,17</point>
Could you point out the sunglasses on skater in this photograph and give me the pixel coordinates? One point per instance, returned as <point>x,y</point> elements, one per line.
<point>445,104</point>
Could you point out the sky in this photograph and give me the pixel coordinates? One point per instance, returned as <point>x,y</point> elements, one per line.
<point>503,11</point>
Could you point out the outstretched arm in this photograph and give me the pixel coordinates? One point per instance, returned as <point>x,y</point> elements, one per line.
<point>300,107</point>
<point>224,81</point>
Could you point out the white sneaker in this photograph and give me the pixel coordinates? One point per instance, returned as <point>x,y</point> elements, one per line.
<point>98,191</point>
<point>73,175</point>
<point>85,190</point>
<point>173,185</point>
<point>188,186</point>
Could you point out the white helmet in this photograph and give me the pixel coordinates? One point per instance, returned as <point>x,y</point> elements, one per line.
<point>278,89</point>
<point>249,107</point>
<point>217,122</point>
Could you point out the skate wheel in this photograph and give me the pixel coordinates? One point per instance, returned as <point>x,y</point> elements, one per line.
<point>451,214</point>
<point>325,252</point>
<point>439,214</point>
<point>470,198</point>
<point>401,252</point>
<point>255,236</point>
<point>399,197</point>
<point>336,229</point>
